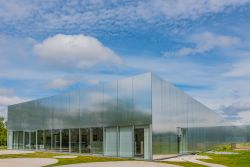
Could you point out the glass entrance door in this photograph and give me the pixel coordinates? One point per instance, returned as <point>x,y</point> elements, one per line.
<point>142,142</point>
<point>139,142</point>
<point>182,140</point>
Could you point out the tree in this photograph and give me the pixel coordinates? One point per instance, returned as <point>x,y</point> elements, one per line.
<point>3,133</point>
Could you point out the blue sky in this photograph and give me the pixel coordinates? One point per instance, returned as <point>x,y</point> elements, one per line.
<point>202,46</point>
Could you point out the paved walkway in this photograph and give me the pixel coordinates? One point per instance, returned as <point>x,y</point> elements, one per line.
<point>221,153</point>
<point>194,159</point>
<point>122,164</point>
<point>27,162</point>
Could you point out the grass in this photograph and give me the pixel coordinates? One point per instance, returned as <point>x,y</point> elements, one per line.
<point>3,147</point>
<point>233,160</point>
<point>63,161</point>
<point>243,145</point>
<point>223,147</point>
<point>242,159</point>
<point>230,160</point>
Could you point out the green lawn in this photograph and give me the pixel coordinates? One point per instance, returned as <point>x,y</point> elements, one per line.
<point>243,145</point>
<point>64,161</point>
<point>3,147</point>
<point>234,160</point>
<point>230,160</point>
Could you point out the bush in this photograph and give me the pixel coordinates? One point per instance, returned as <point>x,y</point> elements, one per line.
<point>3,133</point>
<point>223,147</point>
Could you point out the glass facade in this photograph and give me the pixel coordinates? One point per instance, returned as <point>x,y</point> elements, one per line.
<point>138,116</point>
<point>180,124</point>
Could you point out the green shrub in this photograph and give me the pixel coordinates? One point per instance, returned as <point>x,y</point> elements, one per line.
<point>3,133</point>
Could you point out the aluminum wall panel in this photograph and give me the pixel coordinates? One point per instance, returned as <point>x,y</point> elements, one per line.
<point>122,102</point>
<point>175,115</point>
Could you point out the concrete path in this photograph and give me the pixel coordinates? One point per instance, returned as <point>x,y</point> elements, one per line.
<point>27,162</point>
<point>122,164</point>
<point>221,153</point>
<point>194,159</point>
<point>5,152</point>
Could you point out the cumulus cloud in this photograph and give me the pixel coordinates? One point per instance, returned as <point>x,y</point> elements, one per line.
<point>204,42</point>
<point>59,83</point>
<point>75,51</point>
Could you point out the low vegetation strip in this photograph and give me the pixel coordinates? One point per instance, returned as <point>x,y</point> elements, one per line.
<point>242,159</point>
<point>64,161</point>
<point>231,160</point>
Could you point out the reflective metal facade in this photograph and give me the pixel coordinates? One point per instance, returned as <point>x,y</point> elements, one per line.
<point>167,120</point>
<point>180,123</point>
<point>122,102</point>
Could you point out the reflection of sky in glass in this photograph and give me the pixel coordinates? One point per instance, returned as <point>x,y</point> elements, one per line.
<point>140,100</point>
<point>127,101</point>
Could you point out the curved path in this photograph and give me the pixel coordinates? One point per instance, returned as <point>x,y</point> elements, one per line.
<point>194,159</point>
<point>27,162</point>
<point>122,164</point>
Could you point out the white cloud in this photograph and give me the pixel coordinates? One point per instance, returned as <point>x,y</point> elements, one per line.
<point>9,100</point>
<point>11,10</point>
<point>75,51</point>
<point>60,83</point>
<point>3,111</point>
<point>188,9</point>
<point>237,112</point>
<point>240,69</point>
<point>7,97</point>
<point>6,92</point>
<point>204,82</point>
<point>239,107</point>
<point>204,42</point>
<point>48,15</point>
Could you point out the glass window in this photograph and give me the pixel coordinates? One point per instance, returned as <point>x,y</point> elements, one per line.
<point>15,140</point>
<point>33,140</point>
<point>56,140</point>
<point>65,140</point>
<point>85,138</point>
<point>74,140</point>
<point>48,139</point>
<point>26,140</point>
<point>40,139</point>
<point>20,140</point>
<point>97,141</point>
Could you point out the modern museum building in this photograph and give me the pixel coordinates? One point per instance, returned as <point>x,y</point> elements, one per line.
<point>142,116</point>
